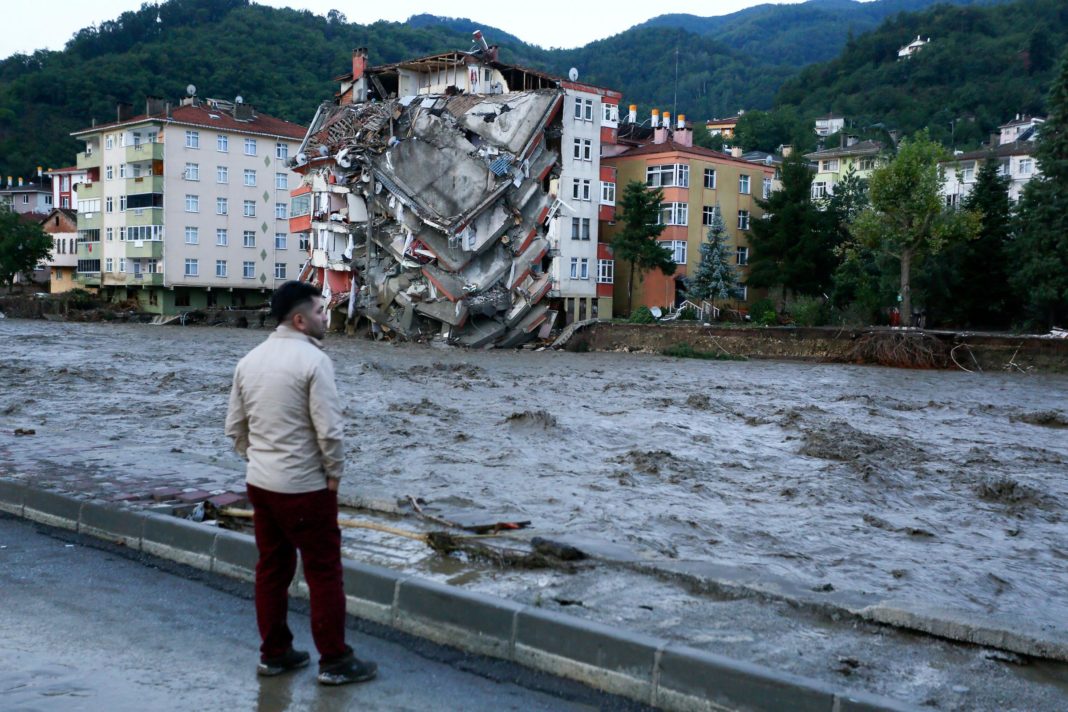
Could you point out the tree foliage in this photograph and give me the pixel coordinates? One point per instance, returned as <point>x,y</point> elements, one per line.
<point>907,217</point>
<point>23,245</point>
<point>636,244</point>
<point>715,277</point>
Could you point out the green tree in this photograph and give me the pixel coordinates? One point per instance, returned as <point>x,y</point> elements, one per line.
<point>907,217</point>
<point>636,243</point>
<point>23,245</point>
<point>790,250</point>
<point>1041,246</point>
<point>705,139</point>
<point>715,277</point>
<point>1040,51</point>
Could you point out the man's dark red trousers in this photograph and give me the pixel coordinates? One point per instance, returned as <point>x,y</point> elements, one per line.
<point>285,524</point>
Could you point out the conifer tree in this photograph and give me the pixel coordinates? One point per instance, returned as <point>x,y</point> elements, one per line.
<point>715,277</point>
<point>636,244</point>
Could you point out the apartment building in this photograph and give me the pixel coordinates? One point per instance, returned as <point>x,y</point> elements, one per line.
<point>58,270</point>
<point>1013,148</point>
<point>696,182</point>
<point>834,164</point>
<point>63,182</point>
<point>27,197</point>
<point>187,207</point>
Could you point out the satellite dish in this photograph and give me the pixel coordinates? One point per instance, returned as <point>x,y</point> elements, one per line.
<point>191,90</point>
<point>572,74</point>
<point>239,99</point>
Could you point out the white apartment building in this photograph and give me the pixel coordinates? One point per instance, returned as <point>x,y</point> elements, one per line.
<point>187,208</point>
<point>1012,147</point>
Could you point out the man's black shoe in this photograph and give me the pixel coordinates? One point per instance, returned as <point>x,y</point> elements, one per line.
<point>347,670</point>
<point>289,660</point>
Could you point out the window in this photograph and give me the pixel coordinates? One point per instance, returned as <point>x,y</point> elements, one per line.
<point>574,267</point>
<point>192,171</point>
<point>281,151</point>
<point>192,235</point>
<point>677,249</point>
<point>109,205</point>
<point>743,219</point>
<point>829,166</point>
<point>192,203</point>
<point>250,177</point>
<point>249,208</point>
<point>222,237</point>
<point>192,267</point>
<point>583,109</point>
<point>583,149</point>
<point>109,172</point>
<point>110,232</point>
<point>819,190</point>
<point>281,181</point>
<point>608,193</point>
<point>743,293</point>
<point>222,143</point>
<point>741,256</point>
<point>122,203</point>
<point>279,270</point>
<point>672,175</point>
<point>866,164</point>
<point>673,214</point>
<point>580,189</point>
<point>109,142</point>
<point>300,205</point>
<point>248,238</point>
<point>222,206</point>
<point>220,268</point>
<point>304,241</point>
<point>1026,166</point>
<point>122,170</point>
<point>248,269</point>
<point>609,113</point>
<point>967,174</point>
<point>743,184</point>
<point>280,240</point>
<point>708,214</point>
<point>710,178</point>
<point>584,268</point>
<point>250,147</point>
<point>222,174</point>
<point>767,188</point>
<point>89,206</point>
<point>952,200</point>
<point>580,228</point>
<point>122,234</point>
<point>122,264</point>
<point>280,211</point>
<point>606,270</point>
<point>192,139</point>
<point>109,264</point>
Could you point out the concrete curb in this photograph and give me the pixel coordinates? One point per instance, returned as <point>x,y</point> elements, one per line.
<point>644,668</point>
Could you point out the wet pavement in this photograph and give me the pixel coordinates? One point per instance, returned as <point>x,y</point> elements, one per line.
<point>939,488</point>
<point>89,629</point>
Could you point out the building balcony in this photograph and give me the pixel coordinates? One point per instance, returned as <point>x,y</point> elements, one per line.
<point>144,184</point>
<point>144,249</point>
<point>86,161</point>
<point>143,216</point>
<point>90,221</point>
<point>146,279</point>
<point>87,279</point>
<point>90,191</point>
<point>89,250</point>
<point>114,278</point>
<point>144,152</point>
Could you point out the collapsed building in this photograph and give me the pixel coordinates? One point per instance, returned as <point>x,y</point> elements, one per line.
<point>429,191</point>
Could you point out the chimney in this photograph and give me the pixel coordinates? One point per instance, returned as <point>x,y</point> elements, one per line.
<point>660,135</point>
<point>39,171</point>
<point>359,79</point>
<point>123,111</point>
<point>684,137</point>
<point>736,151</point>
<point>154,105</point>
<point>493,52</point>
<point>786,151</point>
<point>655,120</point>
<point>666,122</point>
<point>244,112</point>
<point>20,181</point>
<point>851,140</point>
<point>632,117</point>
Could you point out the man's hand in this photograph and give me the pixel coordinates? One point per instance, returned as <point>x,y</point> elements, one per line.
<point>332,483</point>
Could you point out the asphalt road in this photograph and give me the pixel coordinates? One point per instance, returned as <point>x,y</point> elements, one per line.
<point>85,626</point>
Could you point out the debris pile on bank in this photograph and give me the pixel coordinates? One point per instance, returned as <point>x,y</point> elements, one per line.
<point>429,214</point>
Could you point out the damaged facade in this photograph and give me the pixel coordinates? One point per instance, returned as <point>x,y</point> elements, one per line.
<point>431,201</point>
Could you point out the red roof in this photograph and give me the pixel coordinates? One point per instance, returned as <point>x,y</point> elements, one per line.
<point>672,147</point>
<point>203,114</point>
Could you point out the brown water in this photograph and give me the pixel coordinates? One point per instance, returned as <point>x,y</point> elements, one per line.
<point>941,487</point>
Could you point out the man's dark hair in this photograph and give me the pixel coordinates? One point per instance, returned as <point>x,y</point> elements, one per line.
<point>291,295</point>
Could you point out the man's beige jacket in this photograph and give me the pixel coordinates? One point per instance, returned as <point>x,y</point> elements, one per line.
<point>285,414</point>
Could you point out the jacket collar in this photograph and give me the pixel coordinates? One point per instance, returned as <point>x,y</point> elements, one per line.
<point>285,331</point>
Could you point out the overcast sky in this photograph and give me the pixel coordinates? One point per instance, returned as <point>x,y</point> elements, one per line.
<point>549,23</point>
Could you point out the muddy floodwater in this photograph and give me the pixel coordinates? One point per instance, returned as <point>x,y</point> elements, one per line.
<point>946,488</point>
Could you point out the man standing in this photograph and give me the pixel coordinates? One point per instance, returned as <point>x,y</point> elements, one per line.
<point>285,419</point>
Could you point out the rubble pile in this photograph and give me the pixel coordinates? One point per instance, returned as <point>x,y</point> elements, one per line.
<point>430,213</point>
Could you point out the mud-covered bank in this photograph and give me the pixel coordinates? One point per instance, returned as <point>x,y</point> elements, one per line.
<point>958,350</point>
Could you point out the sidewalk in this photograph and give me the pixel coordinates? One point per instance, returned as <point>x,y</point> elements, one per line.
<point>89,629</point>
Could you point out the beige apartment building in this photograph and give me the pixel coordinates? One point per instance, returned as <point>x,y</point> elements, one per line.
<point>187,207</point>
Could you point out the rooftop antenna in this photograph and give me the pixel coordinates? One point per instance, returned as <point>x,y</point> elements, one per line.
<point>675,102</point>
<point>191,90</point>
<point>572,74</point>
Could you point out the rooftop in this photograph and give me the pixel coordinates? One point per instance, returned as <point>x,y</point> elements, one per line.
<point>861,148</point>
<point>670,146</point>
<point>205,114</point>
<point>1015,148</point>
